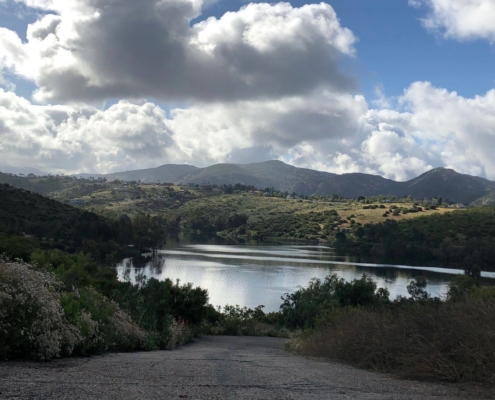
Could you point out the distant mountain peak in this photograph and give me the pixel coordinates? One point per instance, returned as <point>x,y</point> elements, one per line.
<point>437,182</point>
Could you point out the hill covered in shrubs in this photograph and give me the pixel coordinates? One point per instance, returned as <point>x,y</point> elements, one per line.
<point>461,239</point>
<point>50,224</point>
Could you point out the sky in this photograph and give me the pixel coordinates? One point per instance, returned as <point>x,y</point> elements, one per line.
<point>388,87</point>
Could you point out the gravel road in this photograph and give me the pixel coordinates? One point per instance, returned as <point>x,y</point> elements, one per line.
<point>211,368</point>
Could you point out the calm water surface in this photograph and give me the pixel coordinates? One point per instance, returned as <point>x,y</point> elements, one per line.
<point>252,275</point>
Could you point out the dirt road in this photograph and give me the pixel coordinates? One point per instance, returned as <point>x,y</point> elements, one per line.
<point>210,368</point>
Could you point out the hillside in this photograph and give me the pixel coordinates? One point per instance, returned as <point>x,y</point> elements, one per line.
<point>43,185</point>
<point>165,173</point>
<point>262,217</point>
<point>54,224</point>
<point>459,239</point>
<point>24,170</point>
<point>487,200</point>
<point>283,177</point>
<point>449,184</point>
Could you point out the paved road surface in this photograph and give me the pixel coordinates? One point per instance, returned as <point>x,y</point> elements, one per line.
<point>211,368</point>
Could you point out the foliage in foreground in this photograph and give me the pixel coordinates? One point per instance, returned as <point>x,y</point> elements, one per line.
<point>52,310</point>
<point>32,321</point>
<point>417,337</point>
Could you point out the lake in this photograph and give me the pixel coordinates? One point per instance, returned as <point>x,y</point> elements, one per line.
<point>250,275</point>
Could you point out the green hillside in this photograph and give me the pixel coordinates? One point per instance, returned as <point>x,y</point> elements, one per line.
<point>439,182</point>
<point>488,200</point>
<point>460,239</point>
<point>55,225</point>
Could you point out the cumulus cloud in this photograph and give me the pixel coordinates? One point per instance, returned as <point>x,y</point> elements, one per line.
<point>434,128</point>
<point>130,135</point>
<point>460,19</point>
<point>70,139</point>
<point>100,49</point>
<point>280,124</point>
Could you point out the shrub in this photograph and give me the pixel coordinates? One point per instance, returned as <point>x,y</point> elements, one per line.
<point>103,324</point>
<point>302,308</point>
<point>32,321</point>
<point>154,305</point>
<point>243,321</point>
<point>180,334</point>
<point>453,341</point>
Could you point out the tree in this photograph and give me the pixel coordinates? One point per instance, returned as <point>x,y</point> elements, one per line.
<point>417,288</point>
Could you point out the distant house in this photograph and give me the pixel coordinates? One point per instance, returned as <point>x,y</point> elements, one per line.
<point>77,202</point>
<point>459,205</point>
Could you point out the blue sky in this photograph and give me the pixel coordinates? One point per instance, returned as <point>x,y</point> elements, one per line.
<point>250,85</point>
<point>393,51</point>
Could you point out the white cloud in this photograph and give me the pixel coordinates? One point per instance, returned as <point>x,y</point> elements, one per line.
<point>70,139</point>
<point>320,131</point>
<point>461,130</point>
<point>460,19</point>
<point>435,128</point>
<point>100,49</point>
<point>129,135</point>
<point>263,82</point>
<point>279,124</point>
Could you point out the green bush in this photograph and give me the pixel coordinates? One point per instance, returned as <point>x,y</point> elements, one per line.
<point>301,308</point>
<point>243,321</point>
<point>102,323</point>
<point>154,305</point>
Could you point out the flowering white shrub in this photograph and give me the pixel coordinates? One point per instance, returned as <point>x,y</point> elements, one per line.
<point>92,338</point>
<point>180,334</point>
<point>126,334</point>
<point>103,324</point>
<point>32,321</point>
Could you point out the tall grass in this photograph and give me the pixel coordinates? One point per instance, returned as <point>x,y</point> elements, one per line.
<point>453,341</point>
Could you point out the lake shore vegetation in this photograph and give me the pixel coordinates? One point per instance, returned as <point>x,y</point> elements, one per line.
<point>416,337</point>
<point>460,239</point>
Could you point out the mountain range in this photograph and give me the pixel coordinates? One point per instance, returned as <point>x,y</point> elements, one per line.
<point>21,171</point>
<point>437,182</point>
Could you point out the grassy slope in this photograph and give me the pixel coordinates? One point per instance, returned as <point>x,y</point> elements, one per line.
<point>150,199</point>
<point>275,217</point>
<point>262,207</point>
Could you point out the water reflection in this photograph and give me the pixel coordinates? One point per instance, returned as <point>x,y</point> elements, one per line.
<point>254,275</point>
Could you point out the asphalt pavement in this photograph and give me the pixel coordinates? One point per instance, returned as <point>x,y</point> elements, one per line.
<point>213,368</point>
